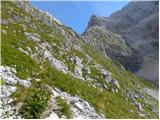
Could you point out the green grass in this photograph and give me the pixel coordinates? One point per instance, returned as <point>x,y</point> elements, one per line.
<point>101,100</point>
<point>25,66</point>
<point>20,94</point>
<point>126,78</point>
<point>2,82</point>
<point>64,108</point>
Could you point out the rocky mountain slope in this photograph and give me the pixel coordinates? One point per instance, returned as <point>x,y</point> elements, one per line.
<point>48,71</point>
<point>137,23</point>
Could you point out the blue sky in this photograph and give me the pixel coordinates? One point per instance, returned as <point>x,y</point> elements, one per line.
<point>76,14</point>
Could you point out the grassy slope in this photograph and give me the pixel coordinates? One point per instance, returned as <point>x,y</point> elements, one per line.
<point>113,105</point>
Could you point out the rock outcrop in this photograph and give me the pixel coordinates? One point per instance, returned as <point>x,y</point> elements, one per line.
<point>80,108</point>
<point>9,110</point>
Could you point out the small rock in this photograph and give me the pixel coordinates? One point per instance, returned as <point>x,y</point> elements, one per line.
<point>23,51</point>
<point>52,116</point>
<point>32,36</point>
<point>139,106</point>
<point>4,31</point>
<point>10,100</point>
<point>37,79</point>
<point>115,83</point>
<point>154,109</point>
<point>114,90</point>
<point>12,89</point>
<point>24,83</point>
<point>142,115</point>
<point>3,22</point>
<point>79,106</point>
<point>10,80</point>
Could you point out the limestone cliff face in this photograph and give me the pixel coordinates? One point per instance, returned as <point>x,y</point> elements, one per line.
<point>137,23</point>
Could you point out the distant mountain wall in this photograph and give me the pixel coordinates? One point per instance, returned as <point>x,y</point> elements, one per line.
<point>138,24</point>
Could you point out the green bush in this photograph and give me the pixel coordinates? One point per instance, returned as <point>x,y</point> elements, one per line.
<point>64,108</point>
<point>35,103</point>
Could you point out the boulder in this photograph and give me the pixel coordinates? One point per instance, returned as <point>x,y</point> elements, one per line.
<point>78,67</point>
<point>79,106</point>
<point>23,51</point>
<point>55,63</point>
<point>3,22</point>
<point>47,55</point>
<point>114,90</point>
<point>115,83</point>
<point>24,83</point>
<point>139,106</point>
<point>4,31</point>
<point>59,65</point>
<point>12,89</point>
<point>154,109</point>
<point>10,80</point>
<point>10,100</point>
<point>32,36</point>
<point>78,71</point>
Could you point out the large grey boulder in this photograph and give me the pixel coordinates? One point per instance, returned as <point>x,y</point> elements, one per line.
<point>59,65</point>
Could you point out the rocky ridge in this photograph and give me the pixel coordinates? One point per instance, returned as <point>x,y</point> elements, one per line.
<point>137,23</point>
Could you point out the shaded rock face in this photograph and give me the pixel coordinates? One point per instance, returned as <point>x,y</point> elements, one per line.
<point>109,43</point>
<point>137,23</point>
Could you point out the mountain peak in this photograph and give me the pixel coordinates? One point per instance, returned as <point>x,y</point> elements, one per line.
<point>137,23</point>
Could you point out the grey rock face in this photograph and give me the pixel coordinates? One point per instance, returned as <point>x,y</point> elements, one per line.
<point>7,74</point>
<point>55,63</point>
<point>7,111</point>
<point>40,15</point>
<point>24,83</point>
<point>137,23</point>
<point>152,93</point>
<point>78,67</point>
<point>80,108</point>
<point>111,44</point>
<point>10,80</point>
